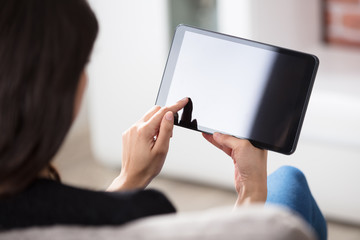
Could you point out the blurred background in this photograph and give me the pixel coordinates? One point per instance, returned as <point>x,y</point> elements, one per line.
<point>126,70</point>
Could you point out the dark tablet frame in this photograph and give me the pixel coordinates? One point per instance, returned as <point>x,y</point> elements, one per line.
<point>312,66</point>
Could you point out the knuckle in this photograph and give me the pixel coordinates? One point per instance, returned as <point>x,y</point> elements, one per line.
<point>156,107</point>
<point>133,130</point>
<point>240,147</point>
<point>236,153</point>
<point>244,143</point>
<point>243,147</point>
<point>140,129</point>
<point>162,151</point>
<point>165,109</point>
<point>125,133</point>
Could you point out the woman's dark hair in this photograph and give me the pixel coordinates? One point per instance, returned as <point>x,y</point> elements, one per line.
<point>44,48</point>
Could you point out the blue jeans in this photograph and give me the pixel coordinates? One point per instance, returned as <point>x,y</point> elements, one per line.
<point>288,187</point>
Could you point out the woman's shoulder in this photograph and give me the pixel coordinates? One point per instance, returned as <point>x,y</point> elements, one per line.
<point>47,202</point>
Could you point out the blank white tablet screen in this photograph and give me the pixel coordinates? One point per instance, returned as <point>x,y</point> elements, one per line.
<point>220,79</point>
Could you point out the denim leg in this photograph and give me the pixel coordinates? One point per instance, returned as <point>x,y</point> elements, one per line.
<point>288,187</point>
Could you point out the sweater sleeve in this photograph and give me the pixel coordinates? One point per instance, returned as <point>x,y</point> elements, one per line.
<point>143,203</point>
<point>48,203</point>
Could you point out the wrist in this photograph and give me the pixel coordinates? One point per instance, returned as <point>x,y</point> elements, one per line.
<point>248,195</point>
<point>125,182</point>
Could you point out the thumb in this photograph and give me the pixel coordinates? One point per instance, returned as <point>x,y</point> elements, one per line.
<point>225,140</point>
<point>165,133</point>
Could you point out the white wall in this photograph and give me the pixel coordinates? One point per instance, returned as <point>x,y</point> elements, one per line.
<point>126,69</point>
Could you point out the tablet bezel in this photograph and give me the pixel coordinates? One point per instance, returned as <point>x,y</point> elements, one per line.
<point>173,57</point>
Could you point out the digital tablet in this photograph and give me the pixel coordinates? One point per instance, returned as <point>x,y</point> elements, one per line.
<point>247,89</point>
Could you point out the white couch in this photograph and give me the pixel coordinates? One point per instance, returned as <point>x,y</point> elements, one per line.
<point>255,223</point>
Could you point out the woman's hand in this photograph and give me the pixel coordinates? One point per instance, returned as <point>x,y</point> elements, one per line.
<point>250,166</point>
<point>145,146</point>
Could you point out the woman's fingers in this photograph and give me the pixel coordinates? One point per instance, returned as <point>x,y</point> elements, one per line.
<point>162,142</point>
<point>156,108</point>
<point>143,158</point>
<point>226,140</point>
<point>210,138</point>
<point>150,113</point>
<point>155,120</point>
<point>250,166</point>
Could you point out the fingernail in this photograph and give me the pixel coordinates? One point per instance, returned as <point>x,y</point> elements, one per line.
<point>216,135</point>
<point>184,99</point>
<point>169,116</point>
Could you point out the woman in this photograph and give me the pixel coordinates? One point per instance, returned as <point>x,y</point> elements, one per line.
<point>44,48</point>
